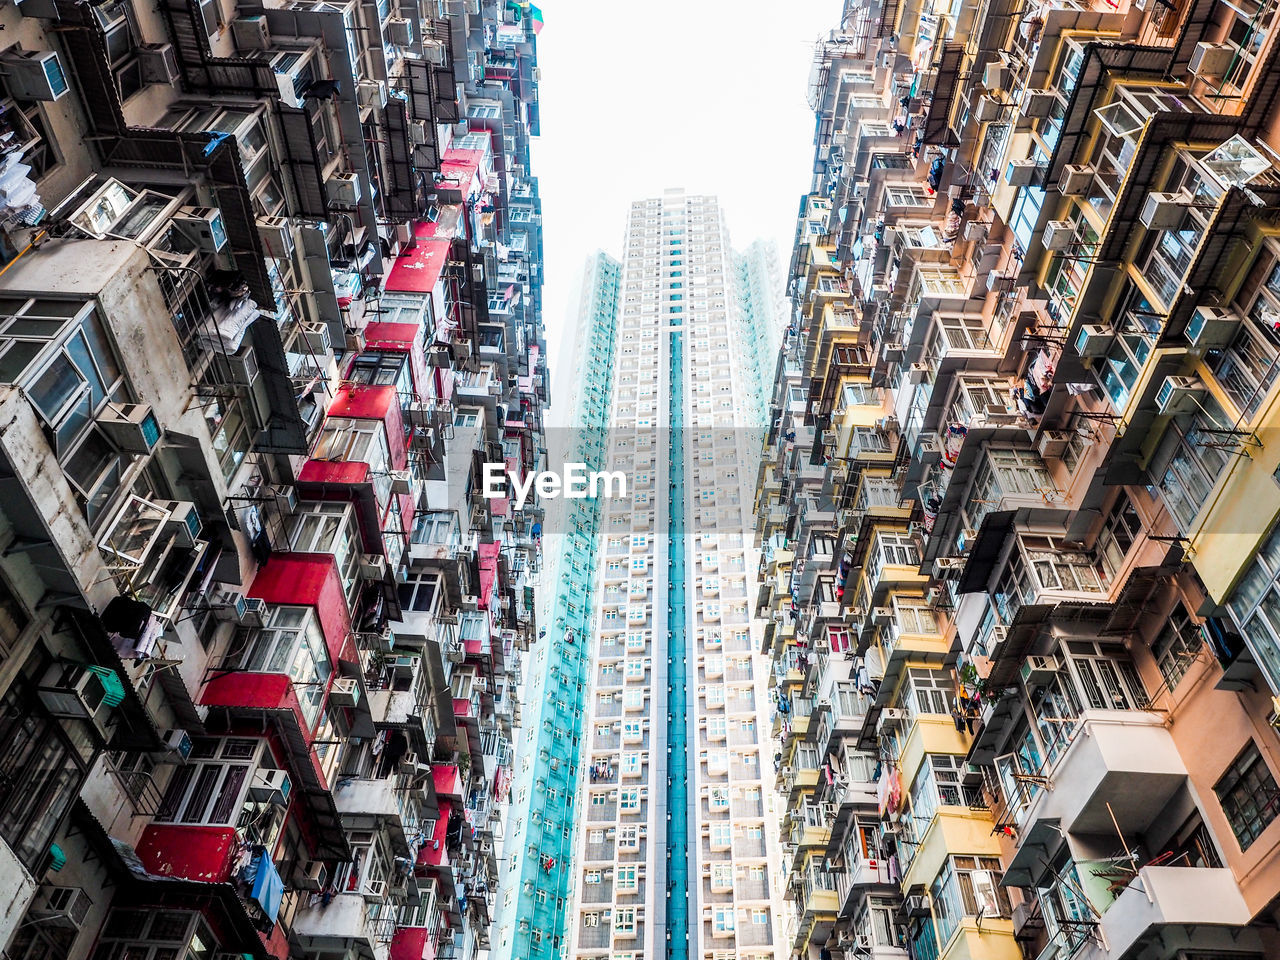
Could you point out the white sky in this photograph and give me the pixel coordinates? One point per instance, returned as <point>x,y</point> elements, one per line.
<point>636,97</point>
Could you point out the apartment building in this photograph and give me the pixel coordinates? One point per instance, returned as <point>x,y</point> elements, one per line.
<point>675,852</point>
<point>1017,508</point>
<point>271,291</point>
<point>536,891</point>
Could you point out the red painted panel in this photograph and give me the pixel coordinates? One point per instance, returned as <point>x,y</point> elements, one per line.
<point>187,851</point>
<point>367,402</point>
<point>264,690</point>
<point>447,783</point>
<point>410,943</point>
<point>309,579</point>
<point>394,421</point>
<point>418,269</point>
<point>334,472</point>
<point>387,337</point>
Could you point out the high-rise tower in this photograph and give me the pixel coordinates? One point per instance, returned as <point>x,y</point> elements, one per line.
<point>678,840</point>
<point>533,916</point>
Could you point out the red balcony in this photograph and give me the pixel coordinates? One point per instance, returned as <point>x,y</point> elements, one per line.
<point>363,440</point>
<point>412,943</point>
<point>419,268</point>
<point>462,174</point>
<point>448,781</point>
<point>404,339</point>
<point>309,579</point>
<point>189,851</point>
<point>434,855</point>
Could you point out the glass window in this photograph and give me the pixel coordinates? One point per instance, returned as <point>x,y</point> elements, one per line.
<point>1249,796</point>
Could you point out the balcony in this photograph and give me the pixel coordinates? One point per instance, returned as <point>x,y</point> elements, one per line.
<point>1120,764</point>
<point>1203,903</point>
<point>344,924</point>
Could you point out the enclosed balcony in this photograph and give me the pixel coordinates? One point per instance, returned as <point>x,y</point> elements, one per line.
<point>350,922</point>
<point>1118,772</point>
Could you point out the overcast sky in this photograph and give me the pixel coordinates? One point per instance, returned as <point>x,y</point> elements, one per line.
<point>708,95</point>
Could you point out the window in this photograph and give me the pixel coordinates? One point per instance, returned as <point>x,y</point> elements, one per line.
<point>1249,796</point>
<point>331,528</point>
<point>1118,534</point>
<point>907,196</point>
<point>968,886</point>
<point>211,786</point>
<point>624,921</point>
<point>627,880</point>
<point>291,642</point>
<point>723,920</point>
<point>629,800</point>
<point>1177,647</point>
<point>42,765</point>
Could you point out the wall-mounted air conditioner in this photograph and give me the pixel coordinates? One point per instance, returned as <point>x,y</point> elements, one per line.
<point>158,63</point>
<point>131,427</point>
<point>33,74</point>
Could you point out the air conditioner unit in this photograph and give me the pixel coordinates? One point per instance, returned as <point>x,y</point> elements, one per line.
<point>178,741</point>
<point>998,282</point>
<point>417,132</point>
<point>1076,179</point>
<point>1094,340</point>
<point>408,762</point>
<point>470,603</point>
<point>1058,234</point>
<point>1163,211</point>
<point>203,226</point>
<point>373,566</point>
<point>1037,671</point>
<point>343,188</point>
<point>1021,173</point>
<point>228,606</point>
<point>401,481</point>
<point>996,642</point>
<point>374,891</point>
<point>316,337</point>
<point>311,875</point>
<point>1176,392</point>
<point>345,692</point>
<point>158,63</point>
<point>184,518</point>
<point>255,612</point>
<point>1038,104</point>
<point>285,496</point>
<point>371,93</point>
<point>1211,59</point>
<point>1211,327</point>
<point>965,541</point>
<point>996,75</point>
<point>251,33</point>
<point>948,568</point>
<point>293,70</point>
<point>1053,443</point>
<point>270,786</point>
<point>988,109</point>
<point>890,719</point>
<point>240,367</point>
<point>63,907</point>
<point>33,74</point>
<point>131,427</point>
<point>74,691</point>
<point>882,615</point>
<point>276,234</point>
<point>399,31</point>
<point>975,229</point>
<point>917,906</point>
<point>917,372</point>
<point>892,352</point>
